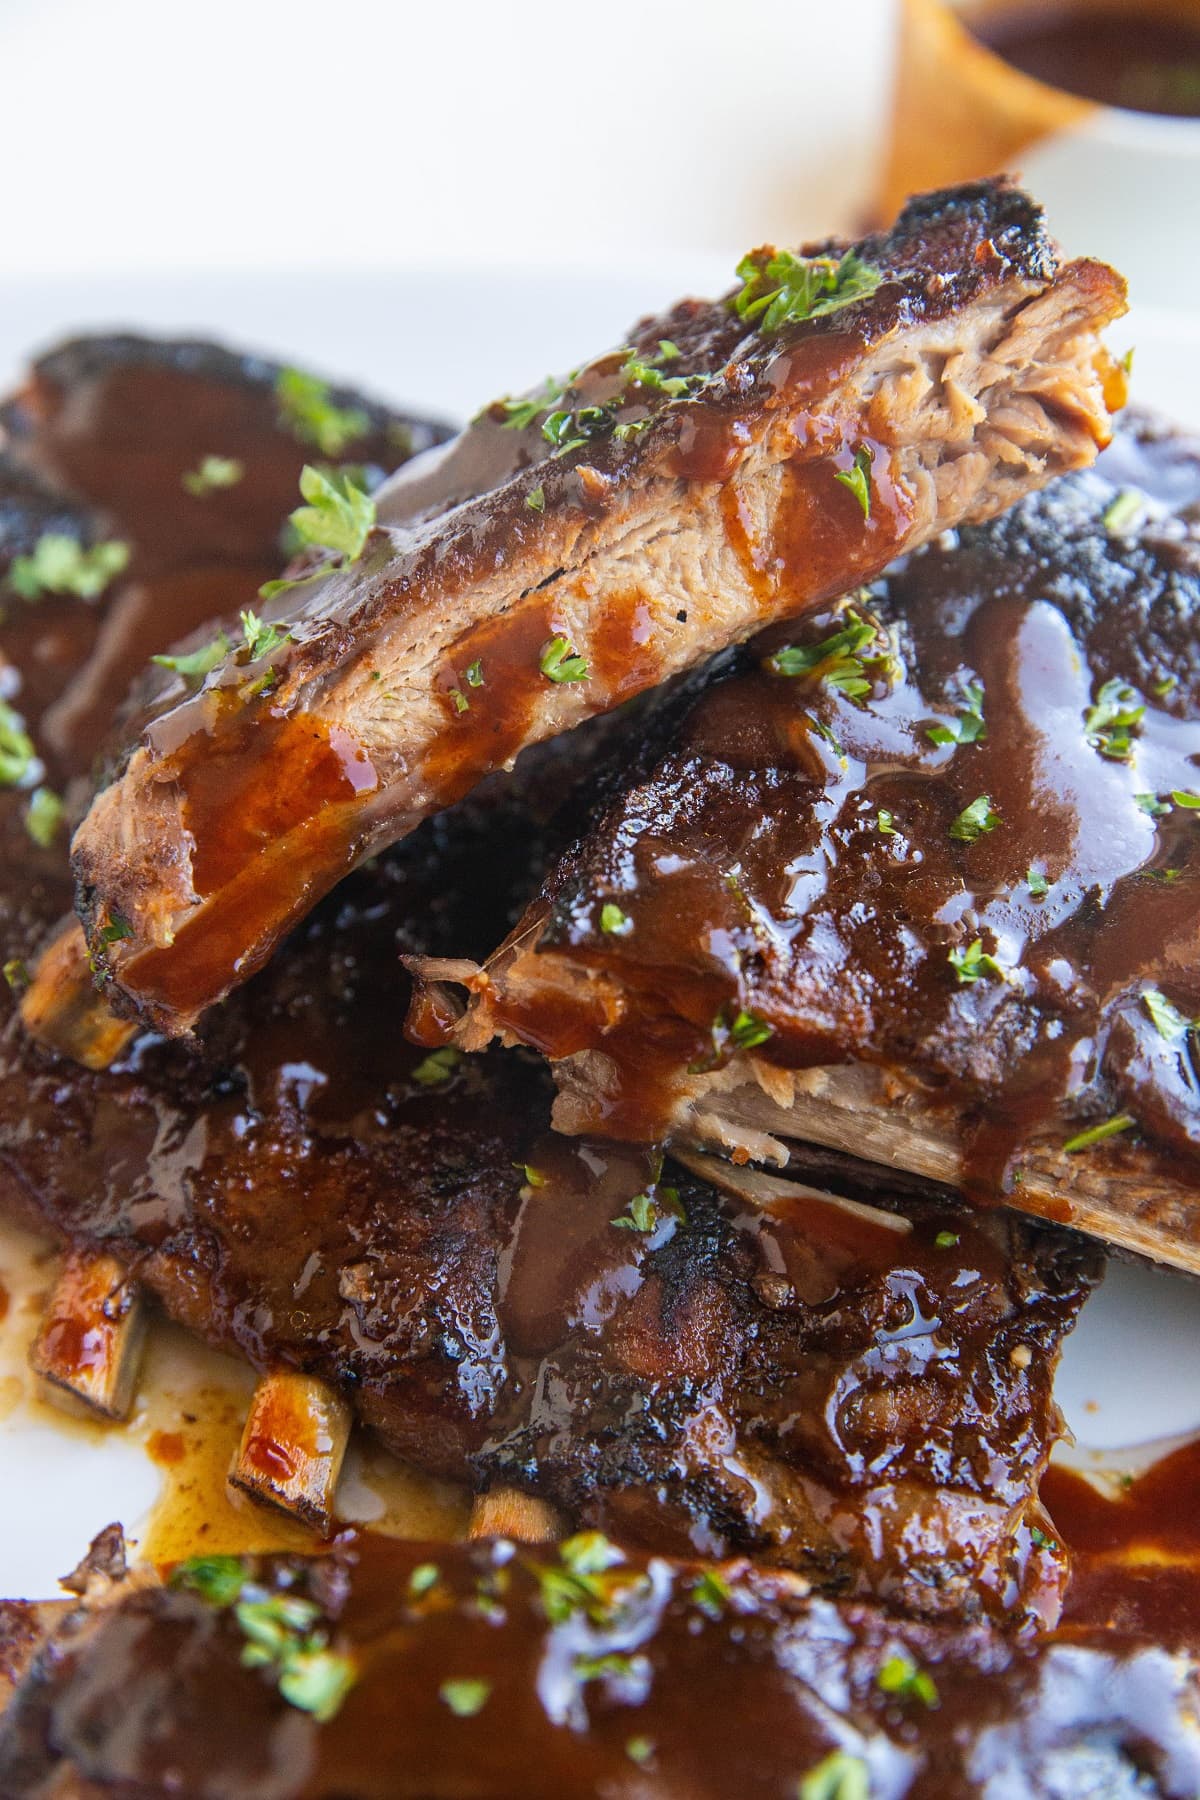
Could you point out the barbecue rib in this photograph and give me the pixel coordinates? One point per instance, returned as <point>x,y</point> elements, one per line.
<point>390,1670</point>
<point>922,884</point>
<point>573,550</point>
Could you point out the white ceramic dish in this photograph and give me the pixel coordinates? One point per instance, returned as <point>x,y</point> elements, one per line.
<point>1131,1371</point>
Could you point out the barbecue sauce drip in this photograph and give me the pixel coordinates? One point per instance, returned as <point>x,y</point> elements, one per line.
<point>807,854</point>
<point>1120,56</point>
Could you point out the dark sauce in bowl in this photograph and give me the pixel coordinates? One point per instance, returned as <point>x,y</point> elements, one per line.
<point>1120,58</point>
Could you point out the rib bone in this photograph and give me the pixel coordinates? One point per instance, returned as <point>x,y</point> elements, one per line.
<point>292,1447</point>
<point>89,1349</point>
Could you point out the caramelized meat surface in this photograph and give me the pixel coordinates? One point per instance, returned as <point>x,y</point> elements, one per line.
<point>492,1673</point>
<point>567,552</point>
<point>923,881</point>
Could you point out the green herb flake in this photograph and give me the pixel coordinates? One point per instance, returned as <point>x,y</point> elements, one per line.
<point>16,974</point>
<point>339,516</point>
<point>1036,882</point>
<point>459,699</point>
<point>837,659</point>
<point>974,820</point>
<point>117,929</point>
<point>217,1579</point>
<point>1181,797</point>
<point>465,1696</point>
<point>613,1666</point>
<point>536,501</point>
<point>1151,805</point>
<point>748,1031</point>
<point>424,1576</point>
<point>946,1240</point>
<point>1096,1134</point>
<point>559,662</point>
<point>858,478</point>
<point>437,1067</point>
<point>44,816</point>
<point>283,1637</point>
<point>647,1211</point>
<point>1166,686</point>
<point>885,822</point>
<point>839,1776</point>
<point>902,1677</point>
<point>1040,1539</point>
<point>60,565</point>
<point>259,638</point>
<point>974,963</point>
<point>307,411</point>
<point>639,1750</point>
<point>1110,722</point>
<point>614,921</point>
<point>17,754</point>
<point>1123,512</point>
<point>317,1681</point>
<point>194,665</point>
<point>474,673</point>
<point>212,473</point>
<point>969,726</point>
<point>1169,1022</point>
<point>711,1594</point>
<point>780,288</point>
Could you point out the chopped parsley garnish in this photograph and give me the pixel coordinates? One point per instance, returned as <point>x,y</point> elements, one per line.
<point>639,1750</point>
<point>437,1067</point>
<point>194,665</point>
<point>17,754</point>
<point>339,516</point>
<point>711,1594</point>
<point>780,288</point>
<point>946,1240</point>
<point>474,673</point>
<point>646,372</point>
<point>536,501</point>
<point>611,1667</point>
<point>260,638</point>
<point>974,820</point>
<point>307,411</point>
<point>461,703</point>
<point>1123,512</point>
<point>647,1211</point>
<point>60,565</point>
<point>1166,686</point>
<point>858,478</point>
<point>902,1677</point>
<point>466,1696</point>
<point>281,1631</point>
<point>115,931</point>
<point>838,1776</point>
<point>1096,1134</point>
<point>837,659</point>
<point>974,963</point>
<point>747,1030</point>
<point>533,1177</point>
<point>217,1579</point>
<point>424,1576</point>
<point>1036,882</point>
<point>614,921</point>
<point>212,473</point>
<point>588,1581</point>
<point>885,822</point>
<point>1040,1540</point>
<point>1169,1022</point>
<point>559,662</point>
<point>568,430</point>
<point>16,974</point>
<point>1183,798</point>
<point>969,727</point>
<point>44,816</point>
<point>1109,723</point>
<point>521,413</point>
<point>1152,806</point>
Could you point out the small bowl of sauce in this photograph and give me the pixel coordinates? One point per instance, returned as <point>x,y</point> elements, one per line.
<point>1095,103</point>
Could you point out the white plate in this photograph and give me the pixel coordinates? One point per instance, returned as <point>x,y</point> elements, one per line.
<point>1130,1373</point>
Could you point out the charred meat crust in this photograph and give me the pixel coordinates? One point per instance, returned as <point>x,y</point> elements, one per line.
<point>665,1688</point>
<point>796,855</point>
<point>973,372</point>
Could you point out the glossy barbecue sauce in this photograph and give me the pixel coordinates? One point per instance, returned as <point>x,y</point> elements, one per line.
<point>1140,58</point>
<point>830,853</point>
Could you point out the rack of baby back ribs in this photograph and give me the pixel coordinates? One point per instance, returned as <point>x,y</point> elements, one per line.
<point>757,1424</point>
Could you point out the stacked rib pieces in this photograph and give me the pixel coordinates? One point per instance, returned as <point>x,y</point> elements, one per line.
<point>781,1426</point>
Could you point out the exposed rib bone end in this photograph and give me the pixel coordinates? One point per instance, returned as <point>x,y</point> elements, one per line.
<point>88,1350</point>
<point>292,1447</point>
<point>507,1512</point>
<point>63,1009</point>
